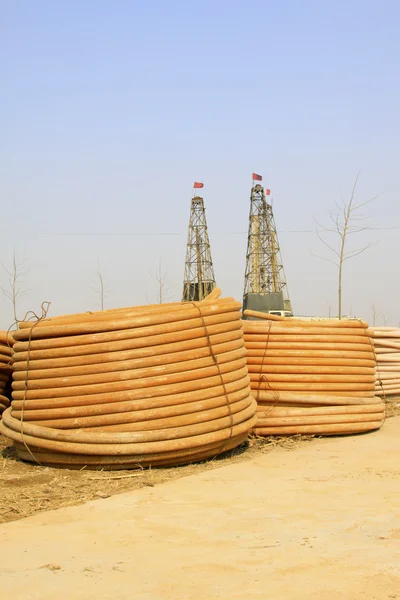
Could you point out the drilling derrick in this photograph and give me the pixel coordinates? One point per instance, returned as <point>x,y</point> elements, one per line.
<point>199,279</point>
<point>265,287</point>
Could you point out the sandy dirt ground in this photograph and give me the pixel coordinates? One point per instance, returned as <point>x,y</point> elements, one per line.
<point>27,489</point>
<point>323,520</point>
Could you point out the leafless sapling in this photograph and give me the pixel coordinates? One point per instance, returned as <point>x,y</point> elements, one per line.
<point>344,222</point>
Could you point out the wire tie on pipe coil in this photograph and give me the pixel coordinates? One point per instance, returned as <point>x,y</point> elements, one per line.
<point>45,309</point>
<point>212,354</point>
<point>263,378</point>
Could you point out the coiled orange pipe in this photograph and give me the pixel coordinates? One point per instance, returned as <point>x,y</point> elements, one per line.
<point>158,385</point>
<point>387,348</point>
<point>312,377</point>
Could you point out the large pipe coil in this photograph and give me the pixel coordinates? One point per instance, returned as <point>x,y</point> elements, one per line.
<point>312,377</point>
<point>153,385</point>
<point>387,348</point>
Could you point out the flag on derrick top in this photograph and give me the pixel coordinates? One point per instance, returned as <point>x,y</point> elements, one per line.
<point>256,177</point>
<point>267,192</point>
<point>198,185</point>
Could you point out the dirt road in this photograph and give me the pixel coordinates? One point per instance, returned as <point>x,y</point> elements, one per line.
<point>322,521</point>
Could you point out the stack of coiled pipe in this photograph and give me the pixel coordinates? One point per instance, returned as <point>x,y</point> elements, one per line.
<point>312,377</point>
<point>387,350</point>
<point>5,368</point>
<point>154,385</point>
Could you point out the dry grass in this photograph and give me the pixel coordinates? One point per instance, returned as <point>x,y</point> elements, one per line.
<point>27,489</point>
<point>393,407</point>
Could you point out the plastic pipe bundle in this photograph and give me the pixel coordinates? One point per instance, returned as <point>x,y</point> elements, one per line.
<point>5,368</point>
<point>153,385</point>
<point>312,377</point>
<point>387,349</point>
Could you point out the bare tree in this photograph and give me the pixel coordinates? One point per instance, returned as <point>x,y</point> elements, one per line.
<point>378,315</point>
<point>14,290</point>
<point>103,288</point>
<point>375,315</point>
<point>163,286</point>
<point>344,222</point>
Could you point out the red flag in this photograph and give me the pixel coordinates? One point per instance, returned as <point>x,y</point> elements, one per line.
<point>256,177</point>
<point>198,185</point>
<point>268,192</point>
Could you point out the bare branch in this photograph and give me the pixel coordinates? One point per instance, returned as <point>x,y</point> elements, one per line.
<point>327,245</point>
<point>366,202</point>
<point>323,227</point>
<point>339,206</point>
<point>354,253</point>
<point>355,229</point>
<point>325,258</point>
<point>353,192</point>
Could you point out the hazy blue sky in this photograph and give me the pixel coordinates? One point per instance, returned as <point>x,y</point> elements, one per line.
<point>110,110</point>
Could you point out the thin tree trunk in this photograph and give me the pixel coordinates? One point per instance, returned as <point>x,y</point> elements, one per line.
<point>344,223</point>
